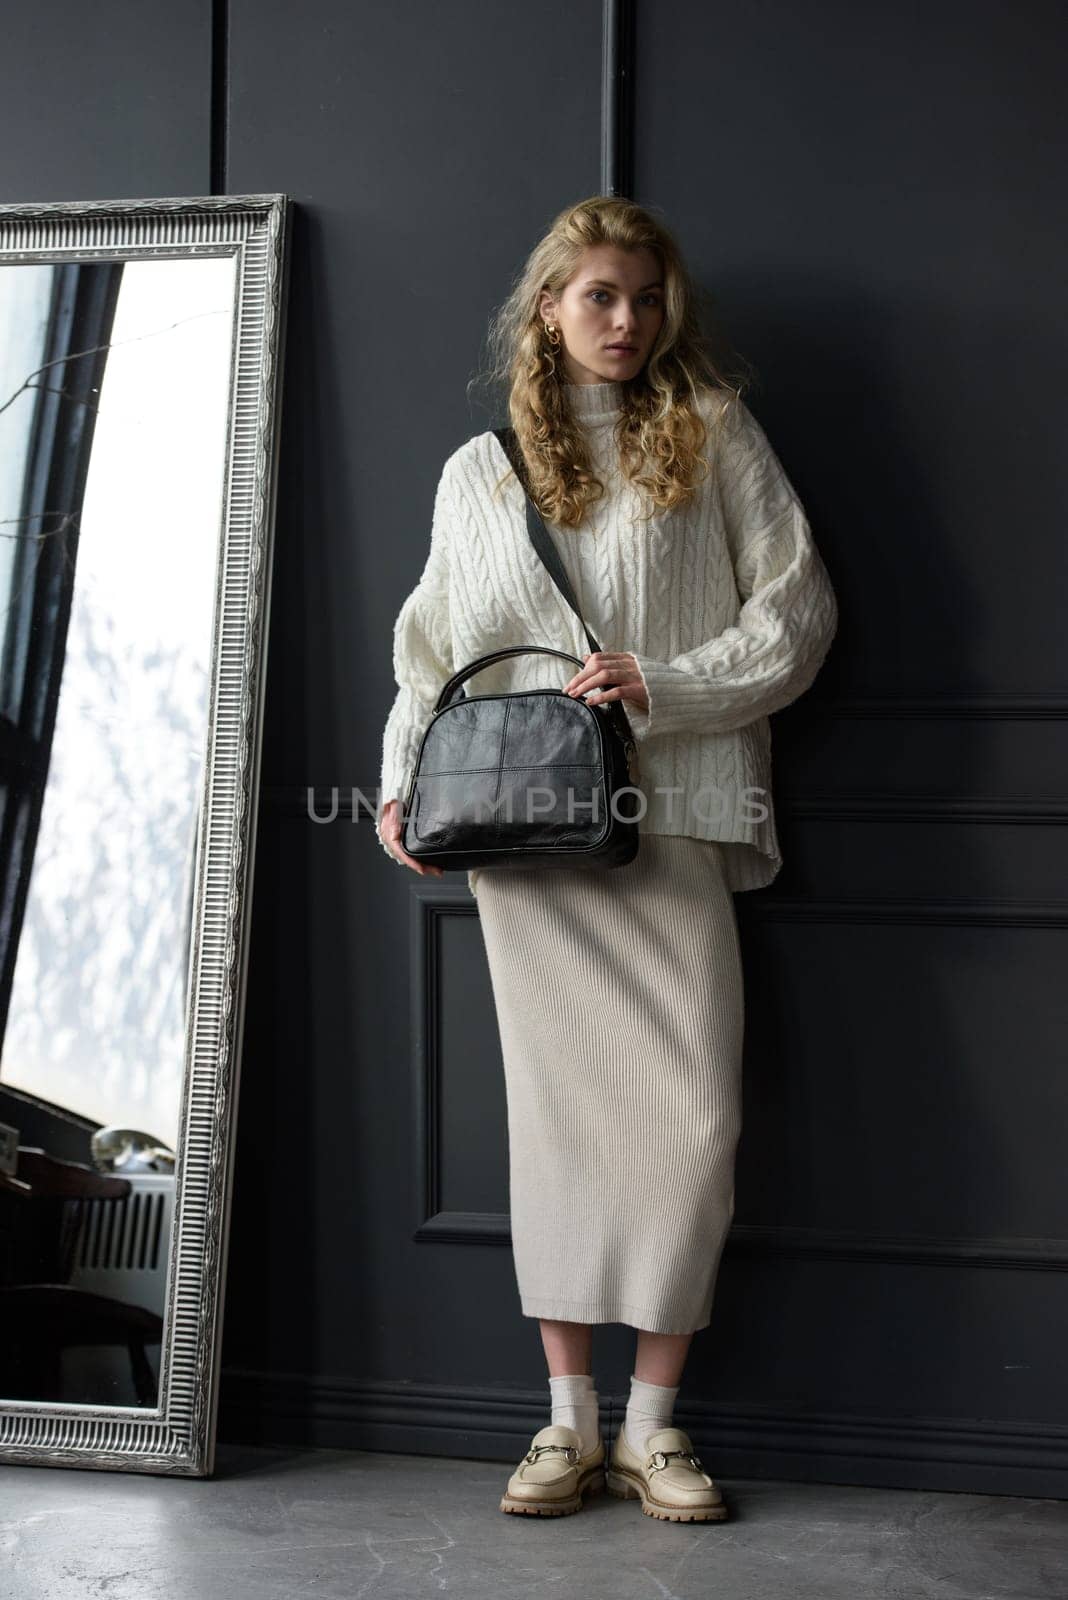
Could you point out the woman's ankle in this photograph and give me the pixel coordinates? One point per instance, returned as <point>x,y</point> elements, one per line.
<point>575,1404</point>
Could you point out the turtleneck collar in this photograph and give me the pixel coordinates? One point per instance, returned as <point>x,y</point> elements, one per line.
<point>594,402</point>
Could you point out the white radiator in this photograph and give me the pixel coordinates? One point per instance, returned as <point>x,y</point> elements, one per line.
<point>123,1244</point>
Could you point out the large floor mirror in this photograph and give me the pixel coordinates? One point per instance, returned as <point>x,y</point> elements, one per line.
<point>141,344</point>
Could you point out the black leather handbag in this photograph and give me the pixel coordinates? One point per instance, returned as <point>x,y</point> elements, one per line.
<point>535,778</point>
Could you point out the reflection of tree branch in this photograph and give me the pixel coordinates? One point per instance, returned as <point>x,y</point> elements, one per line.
<point>51,388</point>
<point>67,520</point>
<point>112,344</point>
<point>68,517</point>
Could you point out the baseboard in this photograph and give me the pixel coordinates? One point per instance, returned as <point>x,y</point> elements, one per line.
<point>978,1457</point>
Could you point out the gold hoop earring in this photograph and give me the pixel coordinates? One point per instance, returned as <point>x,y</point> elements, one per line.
<point>552,333</point>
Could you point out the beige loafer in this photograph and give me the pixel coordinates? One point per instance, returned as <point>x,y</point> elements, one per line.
<point>668,1480</point>
<point>553,1476</point>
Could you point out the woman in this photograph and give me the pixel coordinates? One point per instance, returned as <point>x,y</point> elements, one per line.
<point>619,992</point>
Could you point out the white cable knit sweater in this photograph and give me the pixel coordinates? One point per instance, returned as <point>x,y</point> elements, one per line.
<point>725,603</point>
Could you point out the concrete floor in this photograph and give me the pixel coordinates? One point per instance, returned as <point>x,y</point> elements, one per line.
<point>284,1525</point>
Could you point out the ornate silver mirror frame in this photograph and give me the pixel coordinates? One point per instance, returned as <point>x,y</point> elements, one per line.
<point>176,1435</point>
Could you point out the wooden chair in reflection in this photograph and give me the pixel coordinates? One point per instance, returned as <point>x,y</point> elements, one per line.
<point>43,1211</point>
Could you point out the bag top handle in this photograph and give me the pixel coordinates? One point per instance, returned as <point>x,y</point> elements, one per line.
<point>450,690</point>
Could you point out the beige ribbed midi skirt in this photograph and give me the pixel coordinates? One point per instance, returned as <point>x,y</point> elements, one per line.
<point>619,999</point>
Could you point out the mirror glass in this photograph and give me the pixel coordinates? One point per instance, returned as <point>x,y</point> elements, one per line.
<point>115,392</point>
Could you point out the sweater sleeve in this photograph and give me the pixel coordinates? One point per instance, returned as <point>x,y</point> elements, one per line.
<point>422,659</point>
<point>788,618</point>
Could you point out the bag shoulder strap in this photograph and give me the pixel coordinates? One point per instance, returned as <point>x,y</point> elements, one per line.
<point>539,533</point>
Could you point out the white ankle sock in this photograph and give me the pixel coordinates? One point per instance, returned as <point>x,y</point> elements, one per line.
<point>651,1406</point>
<point>575,1403</point>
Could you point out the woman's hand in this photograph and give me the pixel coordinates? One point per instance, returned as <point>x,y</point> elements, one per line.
<point>611,675</point>
<point>389,831</point>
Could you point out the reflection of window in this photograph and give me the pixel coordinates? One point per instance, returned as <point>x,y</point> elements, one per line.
<point>57,324</point>
<point>95,1012</point>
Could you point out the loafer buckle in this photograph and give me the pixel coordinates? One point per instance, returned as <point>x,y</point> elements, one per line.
<point>567,1450</point>
<point>660,1458</point>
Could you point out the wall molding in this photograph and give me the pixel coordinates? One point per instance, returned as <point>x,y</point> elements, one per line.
<point>739,1440</point>
<point>219,114</point>
<point>1013,810</point>
<point>951,707</point>
<point>617,97</point>
<point>764,906</point>
<point>463,1227</point>
<point>1027,1254</point>
<point>817,1244</point>
<point>431,901</point>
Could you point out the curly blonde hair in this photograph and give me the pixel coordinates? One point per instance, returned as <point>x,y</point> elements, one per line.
<point>661,433</point>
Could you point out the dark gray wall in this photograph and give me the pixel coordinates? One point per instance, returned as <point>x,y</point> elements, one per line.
<point>874,196</point>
